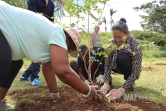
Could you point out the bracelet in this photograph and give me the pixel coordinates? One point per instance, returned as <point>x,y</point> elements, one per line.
<point>89,91</point>
<point>55,94</point>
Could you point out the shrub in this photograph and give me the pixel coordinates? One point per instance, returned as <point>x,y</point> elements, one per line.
<point>158,38</point>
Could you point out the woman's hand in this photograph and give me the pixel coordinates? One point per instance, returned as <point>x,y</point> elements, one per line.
<point>104,89</point>
<point>94,92</point>
<point>115,94</point>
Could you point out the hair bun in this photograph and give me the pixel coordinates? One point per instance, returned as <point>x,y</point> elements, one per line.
<point>123,20</point>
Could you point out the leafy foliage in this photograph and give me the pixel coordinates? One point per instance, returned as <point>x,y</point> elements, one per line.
<point>16,3</point>
<point>148,37</point>
<point>87,7</point>
<point>59,9</point>
<point>155,20</point>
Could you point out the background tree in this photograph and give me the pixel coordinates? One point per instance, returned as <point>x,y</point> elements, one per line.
<point>87,9</point>
<point>17,3</point>
<point>112,12</point>
<point>59,9</point>
<point>155,20</point>
<point>105,23</point>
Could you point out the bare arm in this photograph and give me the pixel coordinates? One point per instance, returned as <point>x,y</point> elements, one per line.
<point>60,65</point>
<point>49,77</point>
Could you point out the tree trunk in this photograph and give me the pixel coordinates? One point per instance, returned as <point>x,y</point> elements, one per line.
<point>70,20</point>
<point>105,28</point>
<point>78,17</point>
<point>88,22</point>
<point>77,23</point>
<point>110,24</point>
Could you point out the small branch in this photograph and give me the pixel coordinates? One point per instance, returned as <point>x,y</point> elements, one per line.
<point>89,67</point>
<point>97,69</point>
<point>84,61</point>
<point>102,13</point>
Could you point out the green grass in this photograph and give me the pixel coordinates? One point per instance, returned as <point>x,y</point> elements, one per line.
<point>151,85</point>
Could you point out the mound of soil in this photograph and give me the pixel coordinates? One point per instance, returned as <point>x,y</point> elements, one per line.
<point>38,99</point>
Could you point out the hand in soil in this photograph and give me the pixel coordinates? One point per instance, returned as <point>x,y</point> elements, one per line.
<point>104,89</point>
<point>94,92</point>
<point>115,94</point>
<point>55,97</point>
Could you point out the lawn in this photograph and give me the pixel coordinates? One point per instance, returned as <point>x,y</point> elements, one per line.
<point>150,87</point>
<point>150,95</point>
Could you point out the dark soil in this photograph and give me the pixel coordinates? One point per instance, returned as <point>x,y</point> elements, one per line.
<point>38,99</point>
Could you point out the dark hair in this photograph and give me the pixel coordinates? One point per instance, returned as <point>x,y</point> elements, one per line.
<point>83,47</point>
<point>121,26</point>
<point>123,20</point>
